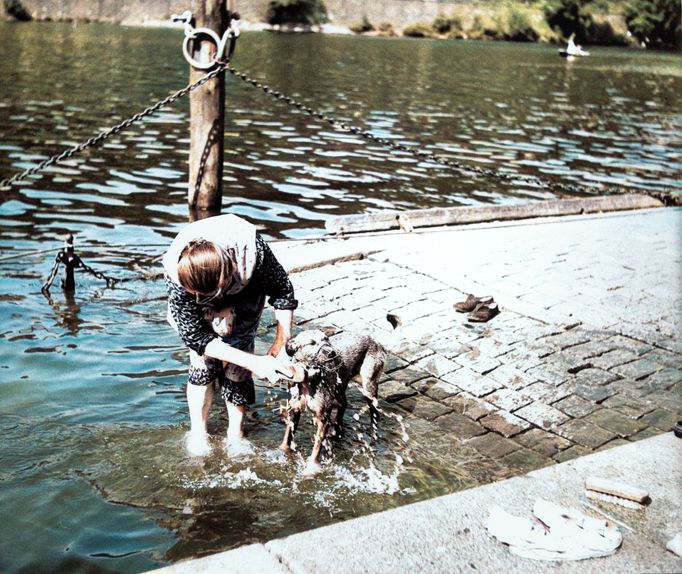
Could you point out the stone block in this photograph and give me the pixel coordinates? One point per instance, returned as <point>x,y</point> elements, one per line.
<point>508,399</point>
<point>423,407</point>
<point>493,445</point>
<point>661,419</point>
<point>665,358</point>
<point>548,372</point>
<point>440,390</point>
<point>542,415</point>
<point>476,361</point>
<point>587,391</point>
<point>460,426</point>
<point>567,339</point>
<point>646,433</point>
<point>546,443</point>
<point>417,309</point>
<point>504,423</point>
<point>592,348</point>
<point>472,382</point>
<point>594,376</point>
<point>408,375</point>
<point>628,344</point>
<point>525,460</point>
<point>393,363</point>
<point>512,377</point>
<point>665,378</point>
<point>613,358</point>
<point>615,422</point>
<point>393,391</point>
<point>537,391</point>
<point>612,443</point>
<point>572,452</point>
<point>467,404</point>
<point>636,369</point>
<point>584,433</point>
<point>436,365</point>
<point>575,406</point>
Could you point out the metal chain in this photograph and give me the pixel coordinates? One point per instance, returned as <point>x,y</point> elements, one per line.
<point>53,273</point>
<point>99,138</point>
<point>466,169</point>
<point>111,281</point>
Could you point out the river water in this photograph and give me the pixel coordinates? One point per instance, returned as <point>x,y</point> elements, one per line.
<point>92,414</point>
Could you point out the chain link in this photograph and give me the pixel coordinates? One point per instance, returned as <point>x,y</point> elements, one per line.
<point>45,289</point>
<point>111,281</point>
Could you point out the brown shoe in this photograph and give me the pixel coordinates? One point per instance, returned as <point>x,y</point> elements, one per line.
<point>470,303</point>
<point>483,313</point>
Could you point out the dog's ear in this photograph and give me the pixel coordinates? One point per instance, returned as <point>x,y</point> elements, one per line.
<point>291,347</point>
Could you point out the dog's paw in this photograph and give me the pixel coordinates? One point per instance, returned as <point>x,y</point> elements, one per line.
<point>197,444</point>
<point>312,468</point>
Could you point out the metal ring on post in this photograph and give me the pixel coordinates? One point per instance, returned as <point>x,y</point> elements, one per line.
<point>191,34</point>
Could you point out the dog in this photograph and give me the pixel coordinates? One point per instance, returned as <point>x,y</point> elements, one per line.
<point>324,368</point>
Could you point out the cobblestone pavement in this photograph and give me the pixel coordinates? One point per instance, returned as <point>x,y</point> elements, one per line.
<point>585,354</point>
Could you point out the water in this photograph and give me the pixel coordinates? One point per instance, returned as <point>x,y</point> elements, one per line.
<point>92,412</point>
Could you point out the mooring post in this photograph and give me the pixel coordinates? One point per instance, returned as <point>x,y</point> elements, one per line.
<point>207,117</point>
<point>70,261</point>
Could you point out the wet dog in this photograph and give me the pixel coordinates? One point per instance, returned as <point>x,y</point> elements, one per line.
<point>324,369</point>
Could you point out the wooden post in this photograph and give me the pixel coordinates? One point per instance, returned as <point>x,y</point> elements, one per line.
<point>207,118</point>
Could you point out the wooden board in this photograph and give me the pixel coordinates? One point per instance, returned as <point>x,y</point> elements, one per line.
<point>384,221</point>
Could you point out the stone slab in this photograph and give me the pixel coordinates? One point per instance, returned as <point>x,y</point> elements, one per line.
<point>252,559</point>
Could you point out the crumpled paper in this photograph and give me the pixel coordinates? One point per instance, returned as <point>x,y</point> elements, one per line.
<point>555,533</point>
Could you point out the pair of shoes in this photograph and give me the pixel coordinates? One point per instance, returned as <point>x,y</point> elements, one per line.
<point>471,302</point>
<point>484,312</point>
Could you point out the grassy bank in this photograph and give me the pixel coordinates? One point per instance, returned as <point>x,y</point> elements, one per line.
<point>512,20</point>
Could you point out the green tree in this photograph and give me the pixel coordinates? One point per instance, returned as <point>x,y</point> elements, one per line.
<point>296,12</point>
<point>569,17</point>
<point>657,23</point>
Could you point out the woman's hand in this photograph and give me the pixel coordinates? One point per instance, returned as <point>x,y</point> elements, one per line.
<point>270,368</point>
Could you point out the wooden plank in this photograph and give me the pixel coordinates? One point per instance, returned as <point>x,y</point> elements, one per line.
<point>384,221</point>
<point>618,489</point>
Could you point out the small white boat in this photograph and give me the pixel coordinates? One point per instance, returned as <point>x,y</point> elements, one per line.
<point>573,49</point>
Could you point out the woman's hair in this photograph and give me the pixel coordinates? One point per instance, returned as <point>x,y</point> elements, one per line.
<point>204,267</point>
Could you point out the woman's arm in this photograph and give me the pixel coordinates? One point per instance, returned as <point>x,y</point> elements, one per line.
<point>285,319</point>
<point>189,318</point>
<point>262,366</point>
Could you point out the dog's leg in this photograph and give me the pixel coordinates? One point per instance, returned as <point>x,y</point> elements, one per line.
<point>293,415</point>
<point>314,465</point>
<point>370,373</point>
<point>341,410</point>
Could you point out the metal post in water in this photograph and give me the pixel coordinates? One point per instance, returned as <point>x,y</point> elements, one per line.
<point>207,118</point>
<point>70,261</point>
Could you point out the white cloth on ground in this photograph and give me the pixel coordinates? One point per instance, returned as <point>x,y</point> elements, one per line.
<point>555,533</point>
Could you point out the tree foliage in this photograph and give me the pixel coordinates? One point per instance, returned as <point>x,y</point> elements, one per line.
<point>569,17</point>
<point>657,23</point>
<point>305,12</point>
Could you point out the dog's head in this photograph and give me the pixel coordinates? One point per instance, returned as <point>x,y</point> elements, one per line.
<point>308,346</point>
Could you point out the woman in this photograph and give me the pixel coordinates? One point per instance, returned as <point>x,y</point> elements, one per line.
<point>218,274</point>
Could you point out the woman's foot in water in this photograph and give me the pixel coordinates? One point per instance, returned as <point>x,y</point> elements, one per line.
<point>197,443</point>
